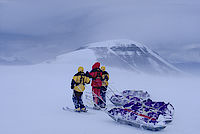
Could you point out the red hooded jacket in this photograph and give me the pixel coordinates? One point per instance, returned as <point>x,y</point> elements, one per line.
<point>96,75</point>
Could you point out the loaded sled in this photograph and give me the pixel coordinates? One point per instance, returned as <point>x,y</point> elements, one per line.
<point>140,100</point>
<point>135,108</point>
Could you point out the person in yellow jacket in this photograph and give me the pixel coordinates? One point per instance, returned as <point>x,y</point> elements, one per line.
<point>105,78</point>
<point>78,85</point>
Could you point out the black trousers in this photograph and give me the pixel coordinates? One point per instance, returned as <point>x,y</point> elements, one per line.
<point>103,95</point>
<point>77,99</point>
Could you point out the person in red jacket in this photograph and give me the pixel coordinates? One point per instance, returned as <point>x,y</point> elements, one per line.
<point>96,75</point>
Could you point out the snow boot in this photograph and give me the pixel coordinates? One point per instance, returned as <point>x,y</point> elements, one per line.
<point>77,110</point>
<point>103,105</point>
<point>83,109</point>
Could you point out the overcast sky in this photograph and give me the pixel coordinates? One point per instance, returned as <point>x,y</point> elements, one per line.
<point>159,24</point>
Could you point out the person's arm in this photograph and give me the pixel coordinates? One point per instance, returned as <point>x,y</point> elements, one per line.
<point>89,74</point>
<point>107,76</point>
<point>73,82</point>
<point>87,80</point>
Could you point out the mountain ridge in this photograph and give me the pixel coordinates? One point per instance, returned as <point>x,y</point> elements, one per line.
<point>128,54</point>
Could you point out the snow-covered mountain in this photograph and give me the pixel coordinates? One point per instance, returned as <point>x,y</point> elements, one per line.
<point>125,54</point>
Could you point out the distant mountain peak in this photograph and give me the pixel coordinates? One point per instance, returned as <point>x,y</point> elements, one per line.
<point>114,43</point>
<point>129,54</point>
<point>125,54</point>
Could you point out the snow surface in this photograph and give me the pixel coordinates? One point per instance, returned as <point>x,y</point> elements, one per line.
<point>32,97</point>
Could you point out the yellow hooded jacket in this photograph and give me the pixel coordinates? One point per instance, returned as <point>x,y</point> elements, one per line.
<point>79,80</point>
<point>105,77</point>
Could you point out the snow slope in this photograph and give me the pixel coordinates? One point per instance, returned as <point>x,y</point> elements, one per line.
<point>31,98</point>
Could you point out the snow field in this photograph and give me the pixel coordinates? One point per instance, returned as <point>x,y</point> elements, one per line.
<point>32,98</point>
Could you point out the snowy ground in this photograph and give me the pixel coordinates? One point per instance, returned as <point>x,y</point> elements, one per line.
<point>31,98</point>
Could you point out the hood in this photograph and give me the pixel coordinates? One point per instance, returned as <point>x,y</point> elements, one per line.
<point>96,65</point>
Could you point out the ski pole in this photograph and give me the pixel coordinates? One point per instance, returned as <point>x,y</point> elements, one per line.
<point>98,97</point>
<point>118,91</point>
<point>112,89</point>
<point>89,101</point>
<point>104,110</point>
<point>101,100</point>
<point>108,97</point>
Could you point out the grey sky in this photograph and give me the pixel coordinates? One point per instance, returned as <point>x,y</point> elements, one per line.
<point>68,24</point>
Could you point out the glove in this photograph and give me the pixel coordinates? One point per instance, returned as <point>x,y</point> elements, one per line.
<point>104,88</point>
<point>106,78</point>
<point>87,74</point>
